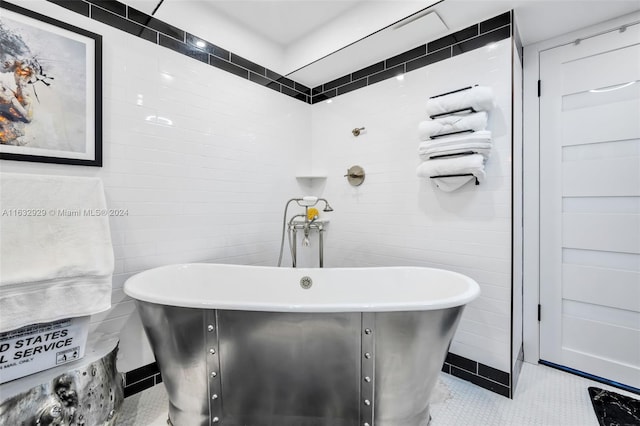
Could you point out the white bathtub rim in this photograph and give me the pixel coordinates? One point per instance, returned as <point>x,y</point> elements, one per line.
<point>131,289</point>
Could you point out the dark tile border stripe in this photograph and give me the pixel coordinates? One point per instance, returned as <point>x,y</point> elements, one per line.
<point>133,21</point>
<point>156,24</point>
<point>497,22</point>
<point>73,5</point>
<point>111,6</point>
<point>125,18</point>
<point>454,38</point>
<point>465,40</point>
<point>115,21</point>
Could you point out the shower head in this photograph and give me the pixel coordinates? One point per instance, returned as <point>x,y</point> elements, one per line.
<point>327,207</point>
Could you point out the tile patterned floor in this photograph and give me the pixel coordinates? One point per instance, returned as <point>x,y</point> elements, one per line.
<point>544,397</point>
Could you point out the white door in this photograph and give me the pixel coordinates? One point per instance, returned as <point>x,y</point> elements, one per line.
<point>590,206</point>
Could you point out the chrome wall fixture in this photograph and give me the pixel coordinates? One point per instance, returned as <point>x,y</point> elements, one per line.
<point>236,368</point>
<point>356,132</point>
<point>355,175</point>
<point>305,225</point>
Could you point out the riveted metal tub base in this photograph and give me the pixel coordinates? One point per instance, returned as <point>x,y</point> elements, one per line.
<point>239,368</point>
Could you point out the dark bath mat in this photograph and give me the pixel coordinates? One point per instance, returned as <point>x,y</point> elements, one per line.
<point>613,409</point>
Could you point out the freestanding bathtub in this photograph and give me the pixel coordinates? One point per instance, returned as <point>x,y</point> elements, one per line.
<point>265,346</point>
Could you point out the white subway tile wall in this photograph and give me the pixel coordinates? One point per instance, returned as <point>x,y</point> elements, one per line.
<point>395,218</point>
<point>202,161</point>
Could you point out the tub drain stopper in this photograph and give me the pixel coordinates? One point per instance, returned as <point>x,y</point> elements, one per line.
<point>306,282</point>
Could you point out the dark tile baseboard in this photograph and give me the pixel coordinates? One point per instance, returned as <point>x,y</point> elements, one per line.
<point>141,379</point>
<point>479,374</point>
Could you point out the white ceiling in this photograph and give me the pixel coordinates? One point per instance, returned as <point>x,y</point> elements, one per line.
<point>283,22</point>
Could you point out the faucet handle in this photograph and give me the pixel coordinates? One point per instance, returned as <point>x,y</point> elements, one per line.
<point>355,175</point>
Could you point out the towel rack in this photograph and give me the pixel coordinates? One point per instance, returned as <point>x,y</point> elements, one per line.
<point>453,91</point>
<point>443,114</point>
<point>452,155</point>
<point>450,133</point>
<point>464,174</point>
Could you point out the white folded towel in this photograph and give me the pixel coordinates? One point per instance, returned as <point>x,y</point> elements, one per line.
<point>452,123</point>
<point>467,164</point>
<point>480,98</point>
<point>478,142</point>
<point>483,149</point>
<point>481,136</point>
<point>56,257</point>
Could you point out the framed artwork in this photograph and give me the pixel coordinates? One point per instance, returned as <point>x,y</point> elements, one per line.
<point>50,90</point>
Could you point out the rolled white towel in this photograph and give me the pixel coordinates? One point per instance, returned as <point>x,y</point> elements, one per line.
<point>452,123</point>
<point>446,142</point>
<point>480,98</point>
<point>426,148</point>
<point>468,164</point>
<point>452,183</point>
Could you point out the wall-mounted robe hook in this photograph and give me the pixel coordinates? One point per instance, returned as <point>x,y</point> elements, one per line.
<point>356,131</point>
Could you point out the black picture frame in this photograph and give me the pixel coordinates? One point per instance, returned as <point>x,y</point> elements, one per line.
<point>52,110</point>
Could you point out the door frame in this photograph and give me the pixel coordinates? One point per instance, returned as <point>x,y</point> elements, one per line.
<point>531,174</point>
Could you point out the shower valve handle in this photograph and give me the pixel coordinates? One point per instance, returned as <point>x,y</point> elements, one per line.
<point>354,175</point>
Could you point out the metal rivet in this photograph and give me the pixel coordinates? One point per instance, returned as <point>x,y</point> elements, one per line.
<point>210,327</point>
<point>212,351</point>
<point>214,374</point>
<point>365,424</point>
<point>367,379</point>
<point>367,355</point>
<point>367,402</point>
<point>215,420</point>
<point>367,331</point>
<point>214,396</point>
